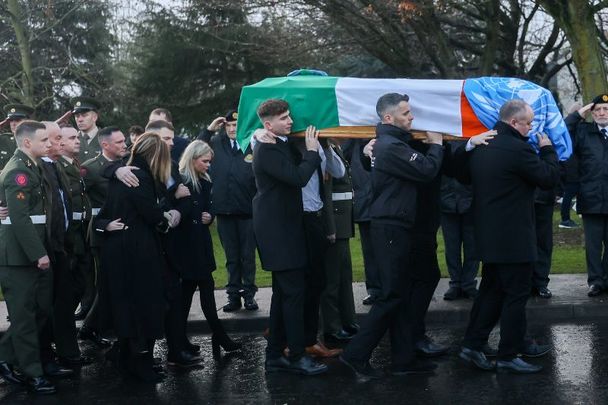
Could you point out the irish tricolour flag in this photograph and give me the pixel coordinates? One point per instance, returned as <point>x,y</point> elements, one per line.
<point>460,108</point>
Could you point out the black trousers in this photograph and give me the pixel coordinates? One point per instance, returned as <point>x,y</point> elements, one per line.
<point>287,314</point>
<point>175,319</point>
<point>425,274</point>
<point>92,320</point>
<point>596,242</point>
<point>372,278</point>
<point>503,294</point>
<point>570,191</point>
<point>206,287</point>
<point>236,236</point>
<point>391,311</point>
<point>460,255</point>
<point>544,244</point>
<point>316,248</point>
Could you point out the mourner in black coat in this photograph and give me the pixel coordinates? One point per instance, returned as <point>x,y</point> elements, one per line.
<point>505,174</point>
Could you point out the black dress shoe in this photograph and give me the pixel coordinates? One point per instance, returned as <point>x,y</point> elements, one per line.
<point>53,369</point>
<point>544,292</point>
<point>517,366</point>
<point>427,348</point>
<point>75,361</point>
<point>305,365</point>
<point>478,359</point>
<point>233,304</point>
<point>362,368</point>
<point>275,365</point>
<point>251,304</point>
<point>415,368</point>
<point>452,294</point>
<point>369,300</point>
<point>470,293</point>
<point>594,290</point>
<point>535,350</point>
<point>41,385</point>
<point>89,334</point>
<point>340,336</point>
<point>192,348</point>
<point>7,373</point>
<point>183,359</point>
<point>221,339</point>
<point>81,314</point>
<point>488,351</point>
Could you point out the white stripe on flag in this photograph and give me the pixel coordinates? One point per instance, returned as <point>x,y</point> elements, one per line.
<point>435,103</point>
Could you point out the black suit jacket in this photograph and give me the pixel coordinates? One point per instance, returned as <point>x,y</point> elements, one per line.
<point>277,206</point>
<point>505,174</point>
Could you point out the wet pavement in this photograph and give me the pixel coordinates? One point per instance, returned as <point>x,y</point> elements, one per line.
<point>575,372</point>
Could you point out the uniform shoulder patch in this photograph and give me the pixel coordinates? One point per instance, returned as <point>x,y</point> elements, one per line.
<point>21,179</point>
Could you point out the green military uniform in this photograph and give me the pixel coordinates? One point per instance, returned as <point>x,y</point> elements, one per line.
<point>27,289</point>
<point>89,143</point>
<point>337,303</point>
<point>7,140</point>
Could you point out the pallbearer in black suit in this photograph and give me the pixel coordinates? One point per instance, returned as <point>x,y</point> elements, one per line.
<point>279,231</point>
<point>505,174</point>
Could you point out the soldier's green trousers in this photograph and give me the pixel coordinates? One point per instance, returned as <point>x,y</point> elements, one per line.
<point>28,293</point>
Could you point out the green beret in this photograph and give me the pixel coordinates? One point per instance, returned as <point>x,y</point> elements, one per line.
<point>231,116</point>
<point>84,104</point>
<point>18,111</point>
<point>601,99</point>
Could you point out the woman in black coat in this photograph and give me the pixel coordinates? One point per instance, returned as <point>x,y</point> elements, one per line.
<point>193,245</point>
<point>130,283</point>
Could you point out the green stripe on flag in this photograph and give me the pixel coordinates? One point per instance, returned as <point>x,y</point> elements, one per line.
<point>312,101</point>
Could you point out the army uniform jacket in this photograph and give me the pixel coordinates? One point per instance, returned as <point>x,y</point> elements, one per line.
<point>23,233</point>
<point>338,202</point>
<point>7,148</point>
<point>97,190</point>
<point>81,206</point>
<point>88,150</point>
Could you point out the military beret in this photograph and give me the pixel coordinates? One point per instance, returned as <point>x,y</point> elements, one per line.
<point>84,104</point>
<point>232,116</point>
<point>18,111</point>
<point>601,99</point>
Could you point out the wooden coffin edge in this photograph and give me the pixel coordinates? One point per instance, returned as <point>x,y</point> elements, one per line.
<point>367,132</point>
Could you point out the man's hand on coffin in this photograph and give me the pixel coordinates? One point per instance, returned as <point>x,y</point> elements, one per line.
<point>434,137</point>
<point>368,149</point>
<point>483,138</point>
<point>312,139</point>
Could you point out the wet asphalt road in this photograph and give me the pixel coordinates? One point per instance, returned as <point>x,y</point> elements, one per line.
<point>576,372</point>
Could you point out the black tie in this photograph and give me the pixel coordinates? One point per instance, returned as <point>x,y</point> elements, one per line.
<point>235,148</point>
<point>604,132</point>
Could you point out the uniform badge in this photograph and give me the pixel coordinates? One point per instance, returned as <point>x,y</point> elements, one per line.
<point>20,196</point>
<point>413,157</point>
<point>235,115</point>
<point>248,158</point>
<point>13,110</point>
<point>605,97</point>
<point>78,104</point>
<point>21,179</point>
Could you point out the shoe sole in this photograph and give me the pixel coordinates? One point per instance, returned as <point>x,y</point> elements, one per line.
<point>473,362</point>
<point>532,356</point>
<point>508,370</point>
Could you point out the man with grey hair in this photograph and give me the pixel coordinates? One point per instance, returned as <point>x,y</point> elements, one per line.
<point>504,175</point>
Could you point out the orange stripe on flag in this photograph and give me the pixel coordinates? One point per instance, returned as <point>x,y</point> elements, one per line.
<point>470,124</point>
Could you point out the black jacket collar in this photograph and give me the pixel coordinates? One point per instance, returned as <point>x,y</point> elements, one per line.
<point>504,128</point>
<point>395,132</point>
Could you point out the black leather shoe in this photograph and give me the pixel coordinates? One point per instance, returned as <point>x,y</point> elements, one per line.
<point>488,351</point>
<point>533,349</point>
<point>305,365</point>
<point>361,368</point>
<point>75,361</point>
<point>53,369</point>
<point>453,293</point>
<point>470,293</point>
<point>233,304</point>
<point>544,292</point>
<point>369,300</point>
<point>517,366</point>
<point>41,385</point>
<point>340,336</point>
<point>275,365</point>
<point>251,304</point>
<point>183,359</point>
<point>415,368</point>
<point>427,348</point>
<point>81,314</point>
<point>594,290</point>
<point>192,348</point>
<point>478,359</point>
<point>89,334</point>
<point>7,373</point>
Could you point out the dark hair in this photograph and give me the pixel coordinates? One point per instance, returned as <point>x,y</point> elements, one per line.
<point>512,108</point>
<point>159,124</point>
<point>272,108</point>
<point>389,102</point>
<point>163,111</point>
<point>106,132</point>
<point>27,129</point>
<point>136,129</point>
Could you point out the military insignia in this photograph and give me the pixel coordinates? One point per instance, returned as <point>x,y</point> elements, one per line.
<point>4,152</point>
<point>235,115</point>
<point>21,179</point>
<point>78,104</point>
<point>13,110</point>
<point>20,196</point>
<point>248,158</point>
<point>605,97</point>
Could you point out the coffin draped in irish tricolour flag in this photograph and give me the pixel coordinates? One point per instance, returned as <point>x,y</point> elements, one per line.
<point>460,108</point>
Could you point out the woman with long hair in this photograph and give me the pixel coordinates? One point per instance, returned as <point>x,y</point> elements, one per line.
<point>130,283</point>
<point>193,241</point>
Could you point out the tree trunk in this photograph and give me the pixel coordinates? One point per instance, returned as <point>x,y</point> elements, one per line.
<point>25,51</point>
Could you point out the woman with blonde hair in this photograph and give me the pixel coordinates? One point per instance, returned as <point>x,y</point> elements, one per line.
<point>195,259</point>
<point>130,280</point>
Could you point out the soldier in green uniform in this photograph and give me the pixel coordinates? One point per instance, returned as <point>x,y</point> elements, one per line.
<point>85,112</point>
<point>15,113</point>
<point>24,262</point>
<point>113,147</point>
<point>337,302</point>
